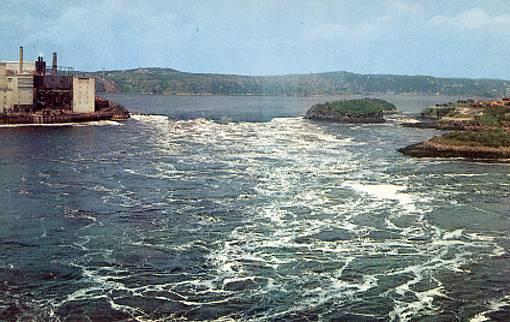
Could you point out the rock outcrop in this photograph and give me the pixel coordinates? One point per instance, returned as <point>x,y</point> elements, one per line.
<point>432,149</point>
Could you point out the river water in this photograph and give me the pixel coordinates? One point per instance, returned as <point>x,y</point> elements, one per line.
<point>236,208</point>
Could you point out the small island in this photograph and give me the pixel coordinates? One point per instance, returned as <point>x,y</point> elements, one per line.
<point>482,131</point>
<point>366,110</point>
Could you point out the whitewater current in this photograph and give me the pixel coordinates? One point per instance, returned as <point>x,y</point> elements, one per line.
<point>287,219</point>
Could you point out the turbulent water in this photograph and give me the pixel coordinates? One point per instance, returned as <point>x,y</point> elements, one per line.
<point>239,209</point>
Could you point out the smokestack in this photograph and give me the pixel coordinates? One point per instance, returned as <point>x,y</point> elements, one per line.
<point>20,70</point>
<point>54,66</point>
<point>40,66</point>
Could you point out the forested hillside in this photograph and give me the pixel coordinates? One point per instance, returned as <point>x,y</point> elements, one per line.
<point>173,82</point>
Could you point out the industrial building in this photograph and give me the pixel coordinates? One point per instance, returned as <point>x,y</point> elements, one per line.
<point>27,87</point>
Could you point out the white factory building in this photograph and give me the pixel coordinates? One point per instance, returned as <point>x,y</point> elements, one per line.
<point>16,88</point>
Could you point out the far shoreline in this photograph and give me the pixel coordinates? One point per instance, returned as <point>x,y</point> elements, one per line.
<point>315,95</point>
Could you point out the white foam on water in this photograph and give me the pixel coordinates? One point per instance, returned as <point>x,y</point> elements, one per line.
<point>465,175</point>
<point>283,187</point>
<point>307,210</point>
<point>495,305</point>
<point>385,192</point>
<point>456,234</point>
<point>408,120</point>
<point>149,117</point>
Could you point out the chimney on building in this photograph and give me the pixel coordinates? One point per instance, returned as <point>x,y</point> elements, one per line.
<point>54,66</point>
<point>20,69</point>
<point>40,66</point>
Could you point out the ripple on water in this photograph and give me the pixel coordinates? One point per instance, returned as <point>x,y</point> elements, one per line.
<point>268,221</point>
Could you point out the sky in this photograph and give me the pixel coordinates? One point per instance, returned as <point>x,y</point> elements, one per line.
<point>448,38</point>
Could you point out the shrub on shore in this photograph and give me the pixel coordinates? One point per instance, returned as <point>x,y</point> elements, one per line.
<point>356,106</point>
<point>495,116</point>
<point>490,138</point>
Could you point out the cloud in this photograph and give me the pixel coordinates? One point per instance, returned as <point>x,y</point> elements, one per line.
<point>472,19</point>
<point>332,32</point>
<point>394,16</point>
<point>403,9</point>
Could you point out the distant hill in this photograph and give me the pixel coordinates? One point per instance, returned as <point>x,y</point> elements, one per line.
<point>173,82</point>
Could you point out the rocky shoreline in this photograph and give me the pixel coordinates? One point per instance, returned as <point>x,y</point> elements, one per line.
<point>432,124</point>
<point>477,130</point>
<point>447,126</point>
<point>345,118</point>
<point>108,110</point>
<point>430,149</point>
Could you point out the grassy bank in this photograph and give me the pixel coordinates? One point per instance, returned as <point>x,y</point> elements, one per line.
<point>493,139</point>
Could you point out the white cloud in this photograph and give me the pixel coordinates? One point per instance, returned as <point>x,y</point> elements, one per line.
<point>471,19</point>
<point>395,14</point>
<point>403,9</point>
<point>332,32</point>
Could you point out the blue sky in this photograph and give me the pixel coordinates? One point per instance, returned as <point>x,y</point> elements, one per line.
<point>469,38</point>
